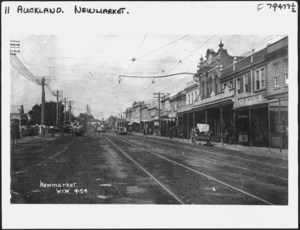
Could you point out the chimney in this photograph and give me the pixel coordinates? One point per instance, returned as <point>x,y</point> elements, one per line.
<point>252,52</point>
<point>234,61</point>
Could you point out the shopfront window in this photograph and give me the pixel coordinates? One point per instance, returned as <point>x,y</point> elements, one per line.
<point>279,128</point>
<point>242,127</point>
<point>259,127</point>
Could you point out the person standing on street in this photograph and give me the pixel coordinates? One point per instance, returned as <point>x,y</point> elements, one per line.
<point>171,132</point>
<point>193,136</point>
<point>144,133</point>
<point>15,133</point>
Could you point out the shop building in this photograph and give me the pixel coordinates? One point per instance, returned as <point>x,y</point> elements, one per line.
<point>168,120</point>
<point>250,114</point>
<point>260,97</point>
<point>277,76</point>
<point>215,102</point>
<point>181,119</point>
<point>136,116</point>
<point>153,123</point>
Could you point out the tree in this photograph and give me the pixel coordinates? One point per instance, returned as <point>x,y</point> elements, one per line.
<point>50,114</point>
<point>111,121</point>
<point>83,118</point>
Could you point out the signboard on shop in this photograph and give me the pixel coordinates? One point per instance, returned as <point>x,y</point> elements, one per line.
<point>250,100</point>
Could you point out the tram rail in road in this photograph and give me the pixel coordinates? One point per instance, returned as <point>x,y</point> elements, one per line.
<point>149,174</point>
<point>214,161</point>
<point>229,156</point>
<point>211,152</point>
<point>185,167</point>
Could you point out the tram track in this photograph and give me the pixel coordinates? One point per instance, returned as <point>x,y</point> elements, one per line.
<point>234,165</point>
<point>226,155</point>
<point>188,169</point>
<point>271,166</point>
<point>176,197</point>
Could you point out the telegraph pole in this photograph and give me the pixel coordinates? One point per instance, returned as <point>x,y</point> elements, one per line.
<point>65,114</point>
<point>59,106</point>
<point>43,102</point>
<point>56,107</point>
<point>140,117</point>
<point>157,95</point>
<point>42,81</point>
<point>57,93</point>
<point>70,109</point>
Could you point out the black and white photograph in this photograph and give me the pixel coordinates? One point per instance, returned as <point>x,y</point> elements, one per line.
<point>122,112</point>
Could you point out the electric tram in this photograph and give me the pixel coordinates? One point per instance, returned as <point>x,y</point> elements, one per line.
<point>121,126</point>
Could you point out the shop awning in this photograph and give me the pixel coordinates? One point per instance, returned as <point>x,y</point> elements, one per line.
<point>257,105</point>
<point>214,105</point>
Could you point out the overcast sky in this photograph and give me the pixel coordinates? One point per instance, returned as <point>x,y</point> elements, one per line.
<point>87,68</point>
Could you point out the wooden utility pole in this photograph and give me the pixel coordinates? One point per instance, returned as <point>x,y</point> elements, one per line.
<point>140,117</point>
<point>57,93</point>
<point>65,115</point>
<point>56,107</point>
<point>42,81</point>
<point>158,95</point>
<point>70,109</point>
<point>43,102</point>
<point>59,106</point>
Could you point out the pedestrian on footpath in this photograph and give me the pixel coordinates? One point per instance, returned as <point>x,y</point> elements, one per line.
<point>171,132</point>
<point>193,136</point>
<point>14,133</point>
<point>144,133</point>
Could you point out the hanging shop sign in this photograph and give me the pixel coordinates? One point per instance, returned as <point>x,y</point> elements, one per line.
<point>156,123</point>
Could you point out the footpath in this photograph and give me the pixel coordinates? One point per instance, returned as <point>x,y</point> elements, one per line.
<point>258,151</point>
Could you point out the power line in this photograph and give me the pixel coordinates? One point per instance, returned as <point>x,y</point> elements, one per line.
<point>190,54</point>
<point>243,58</point>
<point>161,76</point>
<point>163,47</point>
<point>262,43</point>
<point>254,44</point>
<point>22,71</point>
<point>140,46</point>
<point>133,59</point>
<point>22,67</point>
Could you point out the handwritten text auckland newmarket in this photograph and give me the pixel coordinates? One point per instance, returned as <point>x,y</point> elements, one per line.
<point>59,10</point>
